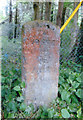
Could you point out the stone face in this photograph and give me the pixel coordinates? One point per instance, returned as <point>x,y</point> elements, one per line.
<point>40,61</point>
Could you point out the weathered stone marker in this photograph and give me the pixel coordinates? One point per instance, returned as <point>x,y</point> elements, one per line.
<point>40,61</point>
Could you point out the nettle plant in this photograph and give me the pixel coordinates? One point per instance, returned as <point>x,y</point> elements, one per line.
<point>66,105</point>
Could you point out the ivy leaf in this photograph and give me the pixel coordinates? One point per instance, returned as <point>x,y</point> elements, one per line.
<point>68,100</point>
<point>75,84</point>
<point>66,86</point>
<point>72,109</point>
<point>63,103</point>
<point>61,80</point>
<point>23,107</point>
<point>65,113</point>
<point>60,89</point>
<point>72,89</point>
<point>65,95</point>
<point>10,115</point>
<point>50,113</point>
<point>3,79</point>
<point>39,114</point>
<point>28,110</point>
<point>74,99</point>
<point>56,115</point>
<point>78,93</point>
<point>78,79</point>
<point>17,88</point>
<point>12,106</point>
<point>20,98</point>
<point>44,114</point>
<point>79,113</point>
<point>23,84</point>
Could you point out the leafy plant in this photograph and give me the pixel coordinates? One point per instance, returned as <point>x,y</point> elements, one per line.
<point>66,105</point>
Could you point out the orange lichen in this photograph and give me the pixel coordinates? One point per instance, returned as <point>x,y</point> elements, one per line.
<point>31,49</point>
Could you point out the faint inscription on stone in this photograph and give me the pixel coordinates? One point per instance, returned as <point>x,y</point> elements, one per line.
<point>40,61</point>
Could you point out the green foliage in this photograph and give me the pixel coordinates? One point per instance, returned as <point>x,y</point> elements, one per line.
<point>68,4</point>
<point>79,113</point>
<point>78,93</point>
<point>23,107</point>
<point>17,88</point>
<point>65,113</point>
<point>66,105</point>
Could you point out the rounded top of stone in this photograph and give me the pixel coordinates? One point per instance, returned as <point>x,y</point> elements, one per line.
<point>41,23</point>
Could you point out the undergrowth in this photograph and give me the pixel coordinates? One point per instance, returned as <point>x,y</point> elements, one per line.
<point>66,105</point>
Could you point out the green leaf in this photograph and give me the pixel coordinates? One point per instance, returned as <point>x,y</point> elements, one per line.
<point>17,88</point>
<point>71,78</point>
<point>75,84</point>
<point>72,108</point>
<point>78,93</point>
<point>60,89</point>
<point>39,113</point>
<point>20,99</point>
<point>12,106</point>
<point>63,103</point>
<point>32,106</point>
<point>23,84</point>
<point>66,86</point>
<point>50,113</point>
<point>79,79</point>
<point>65,95</point>
<point>81,76</point>
<point>28,110</point>
<point>61,80</point>
<point>3,79</point>
<point>72,89</point>
<point>79,113</point>
<point>56,115</point>
<point>68,100</point>
<point>44,114</point>
<point>65,113</point>
<point>74,99</point>
<point>11,115</point>
<point>23,107</point>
